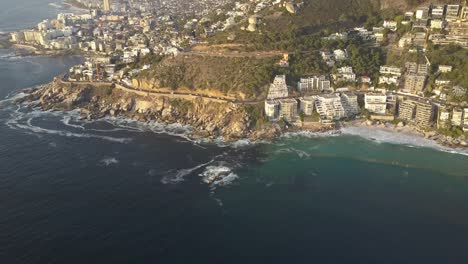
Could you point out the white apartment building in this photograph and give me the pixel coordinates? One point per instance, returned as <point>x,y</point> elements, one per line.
<point>375,103</point>
<point>315,83</point>
<point>329,107</point>
<point>465,119</point>
<point>307,105</point>
<point>288,109</point>
<point>390,70</point>
<point>350,104</point>
<point>457,117</point>
<point>272,109</point>
<point>278,89</point>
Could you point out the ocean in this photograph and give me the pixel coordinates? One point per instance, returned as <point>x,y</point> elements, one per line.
<point>120,191</point>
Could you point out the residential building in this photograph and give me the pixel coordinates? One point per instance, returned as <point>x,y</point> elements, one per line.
<point>457,117</point>
<point>106,5</point>
<point>329,107</point>
<point>389,75</point>
<point>406,40</point>
<point>464,12</point>
<point>459,91</point>
<point>375,103</point>
<point>443,119</point>
<point>438,11</point>
<point>315,83</point>
<point>465,119</point>
<point>307,105</point>
<point>406,110</point>
<point>414,83</point>
<point>349,101</point>
<point>345,74</point>
<point>424,114</point>
<point>340,55</point>
<point>272,109</point>
<point>392,25</point>
<point>445,68</point>
<point>422,13</point>
<point>452,12</point>
<point>288,109</point>
<point>437,24</point>
<point>390,70</point>
<point>278,89</point>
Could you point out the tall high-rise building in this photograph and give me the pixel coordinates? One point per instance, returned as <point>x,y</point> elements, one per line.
<point>106,5</point>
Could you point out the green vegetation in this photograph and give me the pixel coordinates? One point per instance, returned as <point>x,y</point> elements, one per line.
<point>454,56</point>
<point>230,75</point>
<point>454,132</point>
<point>255,112</point>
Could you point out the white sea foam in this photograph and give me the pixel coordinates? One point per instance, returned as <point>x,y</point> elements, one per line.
<point>9,99</point>
<point>109,161</point>
<point>381,135</point>
<point>66,121</point>
<point>175,129</point>
<point>55,5</point>
<point>310,134</point>
<point>300,153</point>
<point>23,121</point>
<point>174,177</point>
<point>218,176</point>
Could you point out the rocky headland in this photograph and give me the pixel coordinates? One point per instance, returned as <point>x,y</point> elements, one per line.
<point>209,118</point>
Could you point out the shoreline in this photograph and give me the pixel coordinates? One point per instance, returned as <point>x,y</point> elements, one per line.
<point>372,131</point>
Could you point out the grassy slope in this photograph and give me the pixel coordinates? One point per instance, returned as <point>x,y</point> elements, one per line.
<point>232,76</point>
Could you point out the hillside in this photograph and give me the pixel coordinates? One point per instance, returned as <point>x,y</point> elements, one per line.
<point>240,76</point>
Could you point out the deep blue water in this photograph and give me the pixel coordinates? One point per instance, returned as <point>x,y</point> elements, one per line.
<point>117,191</point>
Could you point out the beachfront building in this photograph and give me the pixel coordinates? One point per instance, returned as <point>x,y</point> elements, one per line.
<point>307,105</point>
<point>406,110</point>
<point>329,107</point>
<point>288,109</point>
<point>424,114</point>
<point>349,101</point>
<point>375,103</point>
<point>272,109</point>
<point>443,119</point>
<point>314,84</point>
<point>278,89</point>
<point>457,117</point>
<point>465,119</point>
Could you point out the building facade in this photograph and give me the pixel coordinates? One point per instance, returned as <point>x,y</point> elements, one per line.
<point>278,89</point>
<point>375,103</point>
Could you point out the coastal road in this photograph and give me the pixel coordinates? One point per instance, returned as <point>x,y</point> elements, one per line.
<point>125,86</point>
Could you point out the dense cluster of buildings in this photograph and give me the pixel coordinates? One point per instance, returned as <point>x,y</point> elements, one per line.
<point>441,24</point>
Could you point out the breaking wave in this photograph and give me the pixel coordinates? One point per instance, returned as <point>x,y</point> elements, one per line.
<point>55,5</point>
<point>300,153</point>
<point>177,176</point>
<point>380,135</point>
<point>218,176</point>
<point>22,120</point>
<point>310,134</point>
<point>109,161</point>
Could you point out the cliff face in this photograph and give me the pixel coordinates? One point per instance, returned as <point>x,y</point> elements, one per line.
<point>209,118</point>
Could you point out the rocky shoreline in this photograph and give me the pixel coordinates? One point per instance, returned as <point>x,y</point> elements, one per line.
<point>208,119</point>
